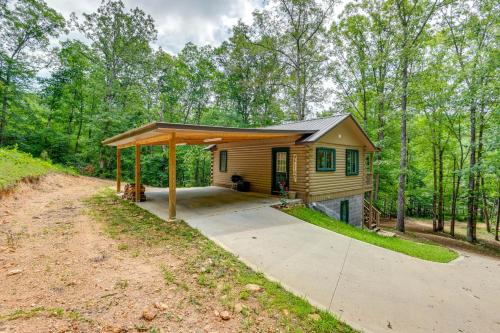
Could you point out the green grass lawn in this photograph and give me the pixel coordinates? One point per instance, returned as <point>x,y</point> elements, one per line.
<point>16,165</point>
<point>415,249</point>
<point>123,219</point>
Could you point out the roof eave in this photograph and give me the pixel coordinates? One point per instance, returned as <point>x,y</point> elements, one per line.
<point>184,127</point>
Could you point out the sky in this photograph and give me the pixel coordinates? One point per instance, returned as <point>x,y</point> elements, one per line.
<point>178,21</point>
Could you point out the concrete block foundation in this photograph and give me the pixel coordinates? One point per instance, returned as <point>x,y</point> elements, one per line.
<point>332,208</point>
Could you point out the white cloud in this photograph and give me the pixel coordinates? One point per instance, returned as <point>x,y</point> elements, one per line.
<point>179,21</point>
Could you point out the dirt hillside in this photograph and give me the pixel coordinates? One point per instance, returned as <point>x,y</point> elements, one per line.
<point>61,273</point>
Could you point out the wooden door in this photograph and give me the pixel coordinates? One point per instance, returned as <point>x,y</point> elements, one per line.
<point>344,211</point>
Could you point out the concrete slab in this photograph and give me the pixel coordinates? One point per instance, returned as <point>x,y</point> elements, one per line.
<point>371,288</point>
<point>203,201</point>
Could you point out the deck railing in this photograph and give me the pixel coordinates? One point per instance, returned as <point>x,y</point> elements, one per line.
<point>371,215</point>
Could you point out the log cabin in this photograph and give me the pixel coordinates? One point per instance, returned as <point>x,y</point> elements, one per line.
<point>325,162</point>
<point>330,167</point>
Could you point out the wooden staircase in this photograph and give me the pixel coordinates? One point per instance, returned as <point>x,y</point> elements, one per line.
<point>371,216</point>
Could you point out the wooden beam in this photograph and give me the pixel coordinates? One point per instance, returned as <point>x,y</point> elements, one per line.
<point>137,173</point>
<point>171,179</point>
<point>118,170</point>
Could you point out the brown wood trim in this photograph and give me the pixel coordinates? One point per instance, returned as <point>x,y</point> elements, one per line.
<point>118,170</point>
<point>137,173</point>
<point>172,180</point>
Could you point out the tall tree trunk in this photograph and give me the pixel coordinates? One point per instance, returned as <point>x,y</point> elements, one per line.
<point>479,178</point>
<point>485,207</point>
<point>471,223</point>
<point>400,224</point>
<point>498,215</point>
<point>454,197</point>
<point>441,193</point>
<point>379,155</point>
<point>80,125</point>
<point>434,188</point>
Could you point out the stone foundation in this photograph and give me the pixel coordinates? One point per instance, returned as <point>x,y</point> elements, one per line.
<point>332,208</point>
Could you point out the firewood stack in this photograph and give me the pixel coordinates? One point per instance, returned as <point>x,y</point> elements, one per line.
<point>129,192</point>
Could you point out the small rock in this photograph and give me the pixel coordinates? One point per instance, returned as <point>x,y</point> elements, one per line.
<point>14,272</point>
<point>216,313</point>
<point>161,306</point>
<point>149,314</point>
<point>253,287</point>
<point>225,315</point>
<point>114,329</point>
<point>314,316</point>
<point>238,307</point>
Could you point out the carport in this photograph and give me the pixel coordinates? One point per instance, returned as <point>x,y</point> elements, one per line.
<point>172,134</point>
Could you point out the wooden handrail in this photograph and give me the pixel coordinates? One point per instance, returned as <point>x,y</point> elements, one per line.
<point>374,208</point>
<point>373,213</point>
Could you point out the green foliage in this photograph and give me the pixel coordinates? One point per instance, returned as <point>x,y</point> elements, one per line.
<point>419,250</point>
<point>16,166</point>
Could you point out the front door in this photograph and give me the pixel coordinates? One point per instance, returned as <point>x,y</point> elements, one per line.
<point>280,169</point>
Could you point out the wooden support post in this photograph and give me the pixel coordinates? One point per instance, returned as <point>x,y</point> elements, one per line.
<point>171,179</point>
<point>118,170</point>
<point>137,173</point>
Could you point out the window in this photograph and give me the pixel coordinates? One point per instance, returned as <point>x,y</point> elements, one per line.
<point>223,161</point>
<point>325,159</point>
<point>281,163</point>
<point>351,162</point>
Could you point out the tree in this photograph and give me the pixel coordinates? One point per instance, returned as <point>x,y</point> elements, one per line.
<point>122,42</point>
<point>249,78</point>
<point>295,30</point>
<point>471,34</point>
<point>362,50</point>
<point>413,19</point>
<point>25,30</point>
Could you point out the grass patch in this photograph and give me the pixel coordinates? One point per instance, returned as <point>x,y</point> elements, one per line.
<point>16,166</point>
<point>38,311</point>
<point>220,275</point>
<point>424,251</point>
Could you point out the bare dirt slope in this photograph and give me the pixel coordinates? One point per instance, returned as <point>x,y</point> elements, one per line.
<point>61,273</point>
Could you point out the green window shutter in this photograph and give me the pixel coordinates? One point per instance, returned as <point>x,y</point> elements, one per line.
<point>325,159</point>
<point>351,162</point>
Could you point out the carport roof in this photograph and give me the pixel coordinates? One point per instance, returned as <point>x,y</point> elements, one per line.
<point>158,133</point>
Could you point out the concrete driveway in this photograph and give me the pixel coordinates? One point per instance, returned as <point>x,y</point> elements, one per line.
<point>372,289</point>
